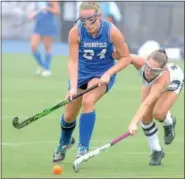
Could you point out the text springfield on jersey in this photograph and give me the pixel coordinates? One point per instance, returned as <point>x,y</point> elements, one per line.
<point>85,44</point>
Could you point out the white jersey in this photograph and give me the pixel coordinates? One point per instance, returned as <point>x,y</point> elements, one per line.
<point>176,78</point>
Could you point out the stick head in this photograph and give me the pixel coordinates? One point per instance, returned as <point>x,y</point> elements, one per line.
<point>76,164</point>
<point>15,121</point>
<point>76,167</point>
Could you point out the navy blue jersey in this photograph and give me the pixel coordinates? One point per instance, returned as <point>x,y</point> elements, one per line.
<point>95,53</point>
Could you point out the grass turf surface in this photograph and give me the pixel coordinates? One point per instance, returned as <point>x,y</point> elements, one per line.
<point>28,152</point>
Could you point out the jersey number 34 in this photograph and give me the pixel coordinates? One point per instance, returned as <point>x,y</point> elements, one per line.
<point>89,54</point>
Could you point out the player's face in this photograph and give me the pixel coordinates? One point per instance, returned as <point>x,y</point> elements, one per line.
<point>89,18</point>
<point>152,69</point>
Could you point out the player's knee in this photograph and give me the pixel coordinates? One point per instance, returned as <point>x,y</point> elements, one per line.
<point>47,45</point>
<point>146,120</point>
<point>87,104</point>
<point>47,48</point>
<point>34,47</point>
<point>159,114</point>
<point>69,117</point>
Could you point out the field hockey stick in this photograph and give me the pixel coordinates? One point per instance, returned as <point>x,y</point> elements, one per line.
<point>87,156</point>
<point>45,112</point>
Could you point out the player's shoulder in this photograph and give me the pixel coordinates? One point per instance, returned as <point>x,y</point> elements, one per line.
<point>116,34</point>
<point>113,27</point>
<point>105,22</point>
<point>105,26</point>
<point>163,78</point>
<point>74,30</point>
<point>73,34</point>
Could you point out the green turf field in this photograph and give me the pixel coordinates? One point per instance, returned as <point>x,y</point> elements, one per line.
<point>28,152</point>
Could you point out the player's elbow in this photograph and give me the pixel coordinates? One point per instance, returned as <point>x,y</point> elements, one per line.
<point>132,59</point>
<point>147,104</point>
<point>129,59</point>
<point>126,60</point>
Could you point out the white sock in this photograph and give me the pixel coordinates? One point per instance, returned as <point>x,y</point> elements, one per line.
<point>150,131</point>
<point>153,142</point>
<point>168,120</point>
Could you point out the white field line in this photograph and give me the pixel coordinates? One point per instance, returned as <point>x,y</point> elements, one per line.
<point>18,144</point>
<point>96,142</point>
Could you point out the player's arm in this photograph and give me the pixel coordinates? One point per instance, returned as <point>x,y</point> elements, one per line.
<point>156,90</point>
<point>33,13</point>
<point>73,40</point>
<point>121,49</point>
<point>54,8</point>
<point>137,61</point>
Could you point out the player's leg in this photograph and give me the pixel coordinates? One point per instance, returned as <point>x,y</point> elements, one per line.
<point>151,132</point>
<point>48,41</point>
<point>68,123</point>
<point>162,113</point>
<point>88,115</point>
<point>35,41</point>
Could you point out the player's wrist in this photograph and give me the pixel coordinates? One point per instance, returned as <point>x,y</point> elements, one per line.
<point>73,89</point>
<point>109,73</point>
